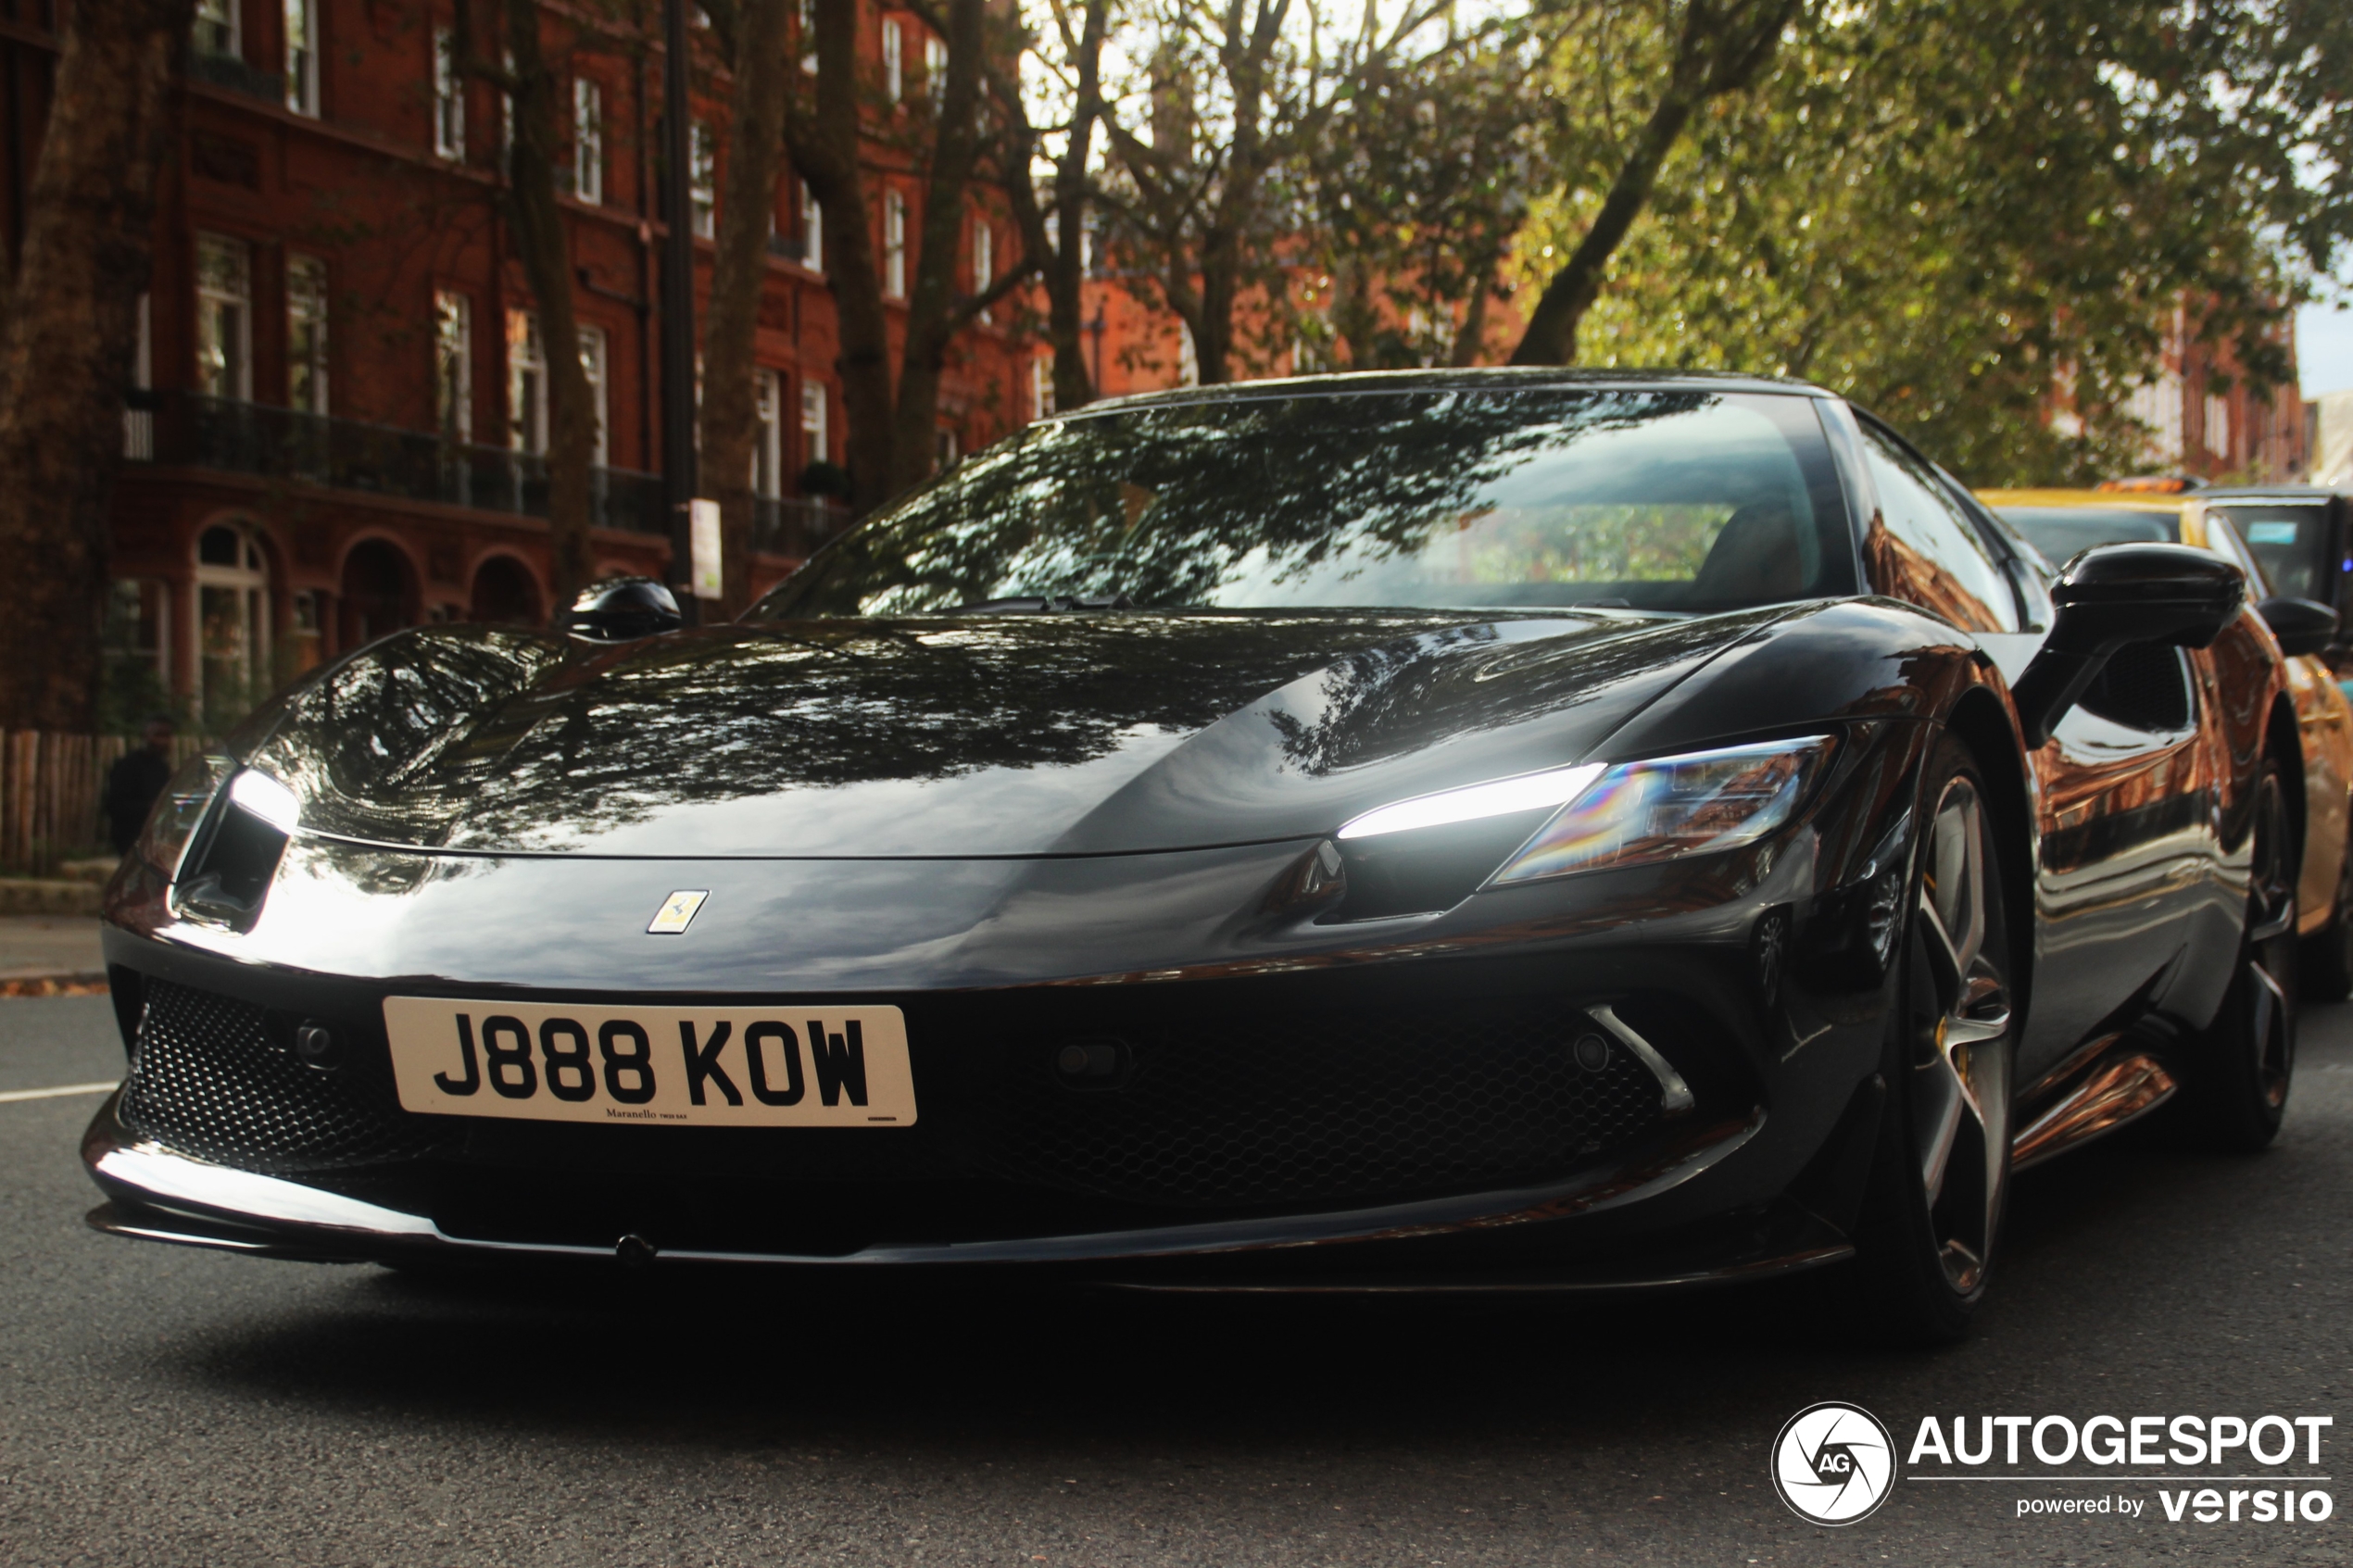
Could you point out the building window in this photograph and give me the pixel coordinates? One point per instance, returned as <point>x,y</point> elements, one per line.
<point>139,423</point>
<point>2217,425</point>
<point>812,231</point>
<point>526,384</point>
<point>1041,386</point>
<point>813,445</point>
<point>768,443</point>
<point>944,450</point>
<point>224,318</point>
<point>136,639</point>
<point>233,622</point>
<point>809,36</point>
<point>592,361</point>
<point>894,245</point>
<point>935,71</point>
<point>702,189</point>
<point>588,142</point>
<point>984,258</point>
<point>306,335</point>
<point>893,52</point>
<point>448,97</point>
<point>302,56</point>
<point>217,31</point>
<point>453,365</point>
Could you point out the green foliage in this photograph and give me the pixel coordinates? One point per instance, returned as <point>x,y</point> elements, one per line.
<point>1966,214</point>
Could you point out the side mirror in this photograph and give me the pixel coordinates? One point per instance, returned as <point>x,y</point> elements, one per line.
<point>620,609</point>
<point>2302,626</point>
<point>2116,595</point>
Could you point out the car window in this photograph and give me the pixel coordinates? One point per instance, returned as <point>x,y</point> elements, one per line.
<point>2291,540</point>
<point>1923,548</point>
<point>2064,533</point>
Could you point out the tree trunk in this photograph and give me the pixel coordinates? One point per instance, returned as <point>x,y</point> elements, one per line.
<point>544,247</point>
<point>933,308</point>
<point>730,395</point>
<point>65,354</point>
<point>825,147</point>
<point>1714,53</point>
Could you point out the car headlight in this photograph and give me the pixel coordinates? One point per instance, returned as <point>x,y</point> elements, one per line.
<point>180,808</point>
<point>1669,806</point>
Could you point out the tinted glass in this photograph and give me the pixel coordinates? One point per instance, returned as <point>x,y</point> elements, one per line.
<point>1927,550</point>
<point>1677,501</point>
<point>2292,542</point>
<point>2064,533</point>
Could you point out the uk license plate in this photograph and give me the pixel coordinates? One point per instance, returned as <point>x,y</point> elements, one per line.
<point>781,1066</point>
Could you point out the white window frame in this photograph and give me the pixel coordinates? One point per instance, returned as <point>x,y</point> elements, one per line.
<point>224,318</point>
<point>526,384</point>
<point>812,231</point>
<point>894,245</point>
<point>588,140</point>
<point>894,60</point>
<point>984,257</point>
<point>302,56</point>
<point>702,184</point>
<point>248,582</point>
<point>815,444</point>
<point>935,71</point>
<point>768,438</point>
<point>1042,385</point>
<point>219,28</point>
<point>591,364</point>
<point>453,365</point>
<point>306,332</point>
<point>448,98</point>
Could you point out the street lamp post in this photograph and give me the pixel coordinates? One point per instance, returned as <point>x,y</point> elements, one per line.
<point>678,311</point>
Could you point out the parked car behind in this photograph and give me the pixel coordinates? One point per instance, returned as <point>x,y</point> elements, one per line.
<point>2297,573</point>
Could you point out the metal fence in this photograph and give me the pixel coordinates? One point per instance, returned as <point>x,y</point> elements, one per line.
<point>50,786</point>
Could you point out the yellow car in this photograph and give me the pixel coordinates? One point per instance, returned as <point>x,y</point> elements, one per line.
<point>2061,524</point>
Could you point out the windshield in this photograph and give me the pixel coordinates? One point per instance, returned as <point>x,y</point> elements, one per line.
<point>1663,500</point>
<point>2064,533</point>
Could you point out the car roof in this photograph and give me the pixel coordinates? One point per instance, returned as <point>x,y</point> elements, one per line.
<point>1532,378</point>
<point>2095,500</point>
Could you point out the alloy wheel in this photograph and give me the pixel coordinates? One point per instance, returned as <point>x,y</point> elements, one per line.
<point>1959,1082</point>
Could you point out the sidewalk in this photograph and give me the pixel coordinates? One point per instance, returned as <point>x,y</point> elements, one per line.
<point>44,955</point>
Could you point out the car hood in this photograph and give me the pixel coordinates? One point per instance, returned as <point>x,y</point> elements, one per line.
<point>954,737</point>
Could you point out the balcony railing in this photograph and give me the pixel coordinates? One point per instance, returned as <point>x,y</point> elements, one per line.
<point>214,432</point>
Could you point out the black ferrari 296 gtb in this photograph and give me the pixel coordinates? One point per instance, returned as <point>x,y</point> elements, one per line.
<point>1462,830</point>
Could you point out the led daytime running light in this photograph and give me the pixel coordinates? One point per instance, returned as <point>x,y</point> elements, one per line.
<point>1528,791</point>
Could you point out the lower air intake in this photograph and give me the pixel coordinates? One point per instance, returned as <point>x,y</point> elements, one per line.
<point>1352,1108</point>
<point>210,1080</point>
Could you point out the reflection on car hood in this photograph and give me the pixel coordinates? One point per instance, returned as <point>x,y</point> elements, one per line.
<point>955,738</point>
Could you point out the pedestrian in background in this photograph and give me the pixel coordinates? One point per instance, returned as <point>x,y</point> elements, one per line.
<point>136,779</point>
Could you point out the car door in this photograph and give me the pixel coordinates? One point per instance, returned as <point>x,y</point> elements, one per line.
<point>2126,838</point>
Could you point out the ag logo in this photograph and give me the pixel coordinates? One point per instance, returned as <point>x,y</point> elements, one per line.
<point>1833,1464</point>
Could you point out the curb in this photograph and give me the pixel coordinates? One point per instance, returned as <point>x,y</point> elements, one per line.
<point>45,897</point>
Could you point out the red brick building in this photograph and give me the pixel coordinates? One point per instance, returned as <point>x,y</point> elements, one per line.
<point>340,388</point>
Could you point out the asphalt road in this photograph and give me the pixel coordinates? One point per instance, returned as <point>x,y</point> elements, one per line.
<point>166,1406</point>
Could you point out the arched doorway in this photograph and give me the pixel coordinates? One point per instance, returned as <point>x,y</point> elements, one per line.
<point>379,592</point>
<point>504,593</point>
<point>233,622</point>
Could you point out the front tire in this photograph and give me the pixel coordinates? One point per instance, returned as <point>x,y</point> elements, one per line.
<point>1930,1222</point>
<point>2238,1072</point>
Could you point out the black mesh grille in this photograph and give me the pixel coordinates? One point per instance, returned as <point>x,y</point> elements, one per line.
<point>210,1080</point>
<point>1348,1108</point>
